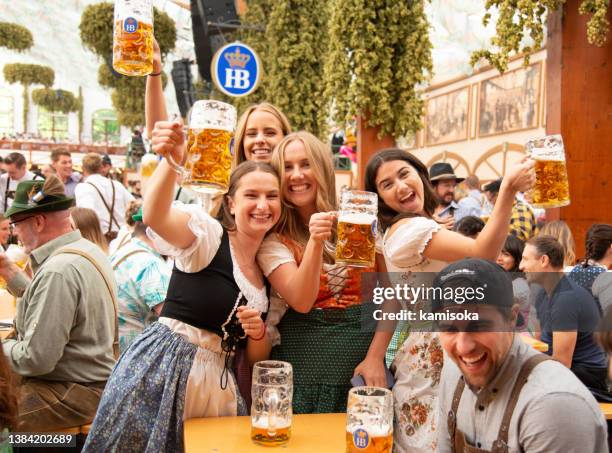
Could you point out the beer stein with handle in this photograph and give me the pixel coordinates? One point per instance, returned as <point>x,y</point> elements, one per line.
<point>357,228</point>
<point>209,152</point>
<point>551,189</point>
<point>369,420</point>
<point>272,394</point>
<point>133,37</point>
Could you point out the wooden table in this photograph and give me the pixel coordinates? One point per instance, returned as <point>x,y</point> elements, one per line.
<point>310,433</point>
<point>606,408</point>
<point>535,344</point>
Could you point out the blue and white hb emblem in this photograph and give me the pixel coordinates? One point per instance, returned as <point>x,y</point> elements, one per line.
<point>236,69</point>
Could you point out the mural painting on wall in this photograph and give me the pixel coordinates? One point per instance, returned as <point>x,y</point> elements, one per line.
<point>509,102</point>
<point>446,117</point>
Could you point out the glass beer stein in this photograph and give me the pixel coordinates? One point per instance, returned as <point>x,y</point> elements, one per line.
<point>209,147</point>
<point>133,37</point>
<point>272,393</point>
<point>18,256</point>
<point>369,420</point>
<point>357,224</point>
<point>551,189</point>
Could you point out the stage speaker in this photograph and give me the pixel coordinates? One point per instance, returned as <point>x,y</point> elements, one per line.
<point>207,19</point>
<point>183,86</point>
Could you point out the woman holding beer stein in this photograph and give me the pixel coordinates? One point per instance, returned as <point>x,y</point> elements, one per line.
<point>325,344</point>
<point>180,366</point>
<point>413,243</point>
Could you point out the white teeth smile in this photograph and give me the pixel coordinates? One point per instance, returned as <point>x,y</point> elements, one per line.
<point>472,361</point>
<point>407,198</point>
<point>299,187</point>
<point>260,152</point>
<point>261,216</point>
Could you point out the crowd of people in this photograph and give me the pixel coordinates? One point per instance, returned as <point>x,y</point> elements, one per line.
<point>140,314</point>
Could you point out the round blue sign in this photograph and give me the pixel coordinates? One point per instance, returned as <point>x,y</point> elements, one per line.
<point>236,69</point>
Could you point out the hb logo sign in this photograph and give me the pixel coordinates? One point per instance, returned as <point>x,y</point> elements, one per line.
<point>236,69</point>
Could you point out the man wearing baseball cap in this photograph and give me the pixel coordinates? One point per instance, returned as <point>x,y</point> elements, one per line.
<point>497,393</point>
<point>66,320</point>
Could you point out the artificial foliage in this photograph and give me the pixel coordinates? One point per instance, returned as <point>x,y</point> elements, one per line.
<point>521,19</point>
<point>297,47</point>
<point>127,93</point>
<point>379,55</point>
<point>55,100</point>
<point>26,75</point>
<point>15,37</point>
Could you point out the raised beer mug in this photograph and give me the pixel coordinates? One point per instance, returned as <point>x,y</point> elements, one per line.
<point>210,143</point>
<point>551,189</point>
<point>133,37</point>
<point>369,420</point>
<point>357,225</point>
<point>272,393</point>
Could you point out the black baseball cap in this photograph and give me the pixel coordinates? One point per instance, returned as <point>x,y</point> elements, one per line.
<point>106,159</point>
<point>490,283</point>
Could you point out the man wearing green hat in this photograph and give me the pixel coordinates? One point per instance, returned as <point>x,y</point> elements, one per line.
<point>66,317</point>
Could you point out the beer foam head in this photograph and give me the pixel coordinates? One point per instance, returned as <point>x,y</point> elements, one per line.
<point>16,254</point>
<point>212,115</point>
<point>374,429</point>
<point>261,422</point>
<point>357,218</point>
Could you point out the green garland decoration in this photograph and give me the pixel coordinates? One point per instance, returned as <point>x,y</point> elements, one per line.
<point>519,19</point>
<point>297,47</point>
<point>598,25</point>
<point>15,37</point>
<point>26,75</point>
<point>380,53</point>
<point>127,93</point>
<point>29,74</point>
<point>55,100</point>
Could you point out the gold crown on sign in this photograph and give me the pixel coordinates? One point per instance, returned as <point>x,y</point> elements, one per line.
<point>237,59</point>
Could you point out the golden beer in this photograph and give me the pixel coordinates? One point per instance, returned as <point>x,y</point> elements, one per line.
<point>148,164</point>
<point>362,442</point>
<point>356,244</point>
<point>209,160</point>
<point>551,189</point>
<point>262,436</point>
<point>133,50</point>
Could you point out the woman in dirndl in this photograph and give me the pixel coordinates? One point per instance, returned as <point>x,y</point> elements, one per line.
<point>181,366</point>
<point>317,328</point>
<point>414,248</point>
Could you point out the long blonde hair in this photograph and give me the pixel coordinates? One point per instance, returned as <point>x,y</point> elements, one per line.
<point>86,220</point>
<point>562,233</point>
<point>320,160</point>
<point>239,155</point>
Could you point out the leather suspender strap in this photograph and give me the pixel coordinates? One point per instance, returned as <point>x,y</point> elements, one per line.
<point>452,414</point>
<point>109,209</point>
<point>109,286</point>
<point>127,255</point>
<point>8,183</point>
<point>501,444</point>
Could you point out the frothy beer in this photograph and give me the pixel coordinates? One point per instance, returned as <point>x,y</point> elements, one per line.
<point>209,160</point>
<point>148,164</point>
<point>261,434</point>
<point>356,245</point>
<point>369,440</point>
<point>551,188</point>
<point>133,47</point>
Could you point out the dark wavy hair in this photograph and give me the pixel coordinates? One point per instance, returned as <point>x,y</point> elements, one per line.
<point>598,240</point>
<point>514,247</point>
<point>386,215</point>
<point>243,169</point>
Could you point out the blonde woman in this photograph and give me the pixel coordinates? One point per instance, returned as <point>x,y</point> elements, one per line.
<point>562,233</point>
<point>260,128</point>
<point>323,341</point>
<point>87,222</point>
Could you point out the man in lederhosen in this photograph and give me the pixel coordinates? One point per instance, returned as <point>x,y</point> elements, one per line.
<point>497,394</point>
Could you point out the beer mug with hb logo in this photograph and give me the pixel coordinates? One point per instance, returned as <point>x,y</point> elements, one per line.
<point>210,145</point>
<point>357,224</point>
<point>272,394</point>
<point>369,420</point>
<point>133,37</point>
<point>551,189</point>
